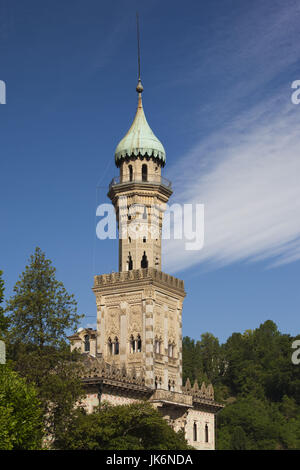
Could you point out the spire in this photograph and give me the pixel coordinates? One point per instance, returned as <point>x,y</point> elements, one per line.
<point>140,139</point>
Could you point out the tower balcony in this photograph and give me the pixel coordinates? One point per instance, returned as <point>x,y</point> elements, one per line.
<point>151,180</point>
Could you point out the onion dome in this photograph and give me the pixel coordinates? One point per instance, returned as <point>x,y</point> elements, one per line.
<point>140,139</point>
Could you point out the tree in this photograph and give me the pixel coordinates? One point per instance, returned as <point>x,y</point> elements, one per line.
<point>138,426</point>
<point>3,318</point>
<point>41,310</point>
<point>255,377</point>
<point>20,413</point>
<point>41,313</point>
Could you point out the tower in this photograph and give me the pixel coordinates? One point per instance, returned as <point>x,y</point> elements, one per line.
<point>139,307</point>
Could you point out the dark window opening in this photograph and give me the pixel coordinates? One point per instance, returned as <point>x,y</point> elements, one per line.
<point>132,344</point>
<point>86,343</point>
<point>206,433</point>
<point>130,172</point>
<point>195,431</point>
<point>139,344</point>
<point>144,262</point>
<point>109,344</point>
<point>144,172</point>
<point>116,346</point>
<point>130,262</point>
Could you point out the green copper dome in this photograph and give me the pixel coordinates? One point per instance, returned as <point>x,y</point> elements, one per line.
<point>140,140</point>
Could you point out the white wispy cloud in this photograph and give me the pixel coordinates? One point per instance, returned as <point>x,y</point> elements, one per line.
<point>247,171</point>
<point>248,177</point>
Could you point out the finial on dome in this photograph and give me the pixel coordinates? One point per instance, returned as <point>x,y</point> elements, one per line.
<point>139,87</point>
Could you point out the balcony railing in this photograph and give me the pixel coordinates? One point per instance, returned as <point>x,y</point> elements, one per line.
<point>151,179</point>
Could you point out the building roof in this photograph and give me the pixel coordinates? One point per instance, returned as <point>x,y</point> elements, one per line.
<point>140,139</point>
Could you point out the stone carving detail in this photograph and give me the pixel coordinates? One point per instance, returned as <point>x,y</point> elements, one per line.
<point>113,327</point>
<point>206,392</point>
<point>98,368</point>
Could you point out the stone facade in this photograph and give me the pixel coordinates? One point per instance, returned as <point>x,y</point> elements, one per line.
<point>136,351</point>
<point>192,409</point>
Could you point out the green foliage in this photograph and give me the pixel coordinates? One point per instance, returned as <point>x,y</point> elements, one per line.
<point>20,413</point>
<point>254,376</point>
<point>41,310</point>
<point>3,318</point>
<point>125,427</point>
<point>40,314</point>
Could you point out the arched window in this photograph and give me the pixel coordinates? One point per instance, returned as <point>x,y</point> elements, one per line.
<point>130,172</point>
<point>195,431</point>
<point>169,385</point>
<point>86,343</point>
<point>160,382</point>
<point>129,262</point>
<point>132,344</point>
<point>144,262</point>
<point>145,213</point>
<point>139,344</point>
<point>206,433</point>
<point>156,382</point>
<point>144,239</point>
<point>109,346</point>
<point>129,239</point>
<point>144,172</point>
<point>170,350</point>
<point>116,348</point>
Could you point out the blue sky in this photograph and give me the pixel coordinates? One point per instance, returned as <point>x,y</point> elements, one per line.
<point>217,76</point>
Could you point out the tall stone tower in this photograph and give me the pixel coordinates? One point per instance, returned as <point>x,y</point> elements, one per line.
<point>139,307</point>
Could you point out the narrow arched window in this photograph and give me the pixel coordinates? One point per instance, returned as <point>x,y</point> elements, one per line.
<point>116,349</point>
<point>109,346</point>
<point>145,213</point>
<point>144,172</point>
<point>156,382</point>
<point>195,431</point>
<point>130,172</point>
<point>144,262</point>
<point>206,433</point>
<point>132,344</point>
<point>139,344</point>
<point>169,385</point>
<point>144,239</point>
<point>86,343</point>
<point>129,262</point>
<point>157,346</point>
